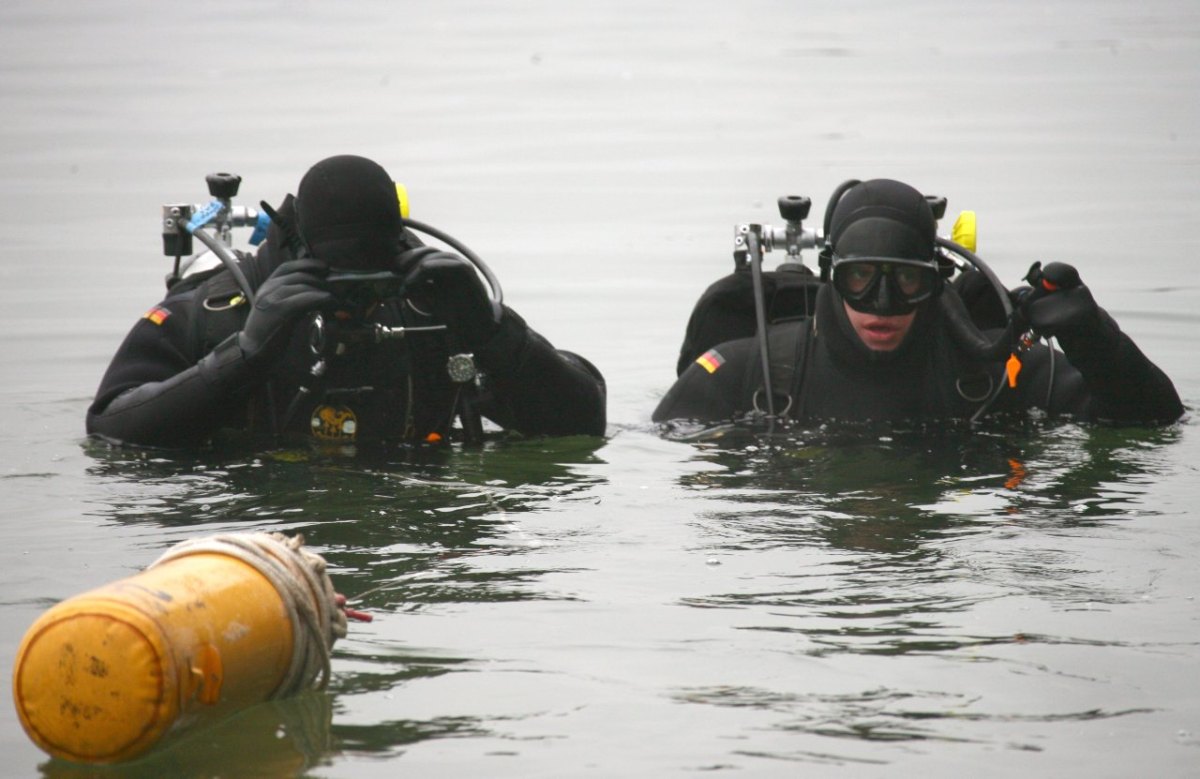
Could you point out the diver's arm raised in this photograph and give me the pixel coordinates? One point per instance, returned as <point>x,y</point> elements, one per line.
<point>1123,385</point>
<point>154,395</point>
<point>534,388</point>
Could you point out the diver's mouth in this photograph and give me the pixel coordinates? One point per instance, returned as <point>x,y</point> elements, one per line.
<point>881,334</point>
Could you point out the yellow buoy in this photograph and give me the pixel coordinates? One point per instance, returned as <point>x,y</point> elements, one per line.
<point>210,628</point>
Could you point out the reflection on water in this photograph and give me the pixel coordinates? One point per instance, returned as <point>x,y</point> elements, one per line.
<point>396,534</point>
<point>875,715</point>
<point>399,536</point>
<point>374,670</point>
<point>1016,601</point>
<point>861,547</point>
<point>890,490</point>
<point>284,737</point>
<point>898,544</point>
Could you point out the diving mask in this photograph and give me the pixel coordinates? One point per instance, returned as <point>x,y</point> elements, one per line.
<point>885,286</point>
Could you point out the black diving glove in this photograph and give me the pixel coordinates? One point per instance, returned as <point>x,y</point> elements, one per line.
<point>1057,302</point>
<point>294,289</point>
<point>449,287</point>
<point>1123,385</point>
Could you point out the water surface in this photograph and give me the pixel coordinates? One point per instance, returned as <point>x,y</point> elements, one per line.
<point>865,603</point>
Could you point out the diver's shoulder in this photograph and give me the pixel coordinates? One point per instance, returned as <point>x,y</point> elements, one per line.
<point>723,359</point>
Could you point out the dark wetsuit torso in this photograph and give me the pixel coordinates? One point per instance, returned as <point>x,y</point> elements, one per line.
<point>395,391</point>
<point>821,371</point>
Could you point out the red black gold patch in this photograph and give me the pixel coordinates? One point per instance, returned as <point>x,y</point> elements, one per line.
<point>157,315</point>
<point>710,360</point>
<point>334,423</point>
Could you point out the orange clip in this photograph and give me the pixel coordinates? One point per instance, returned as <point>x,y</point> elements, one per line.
<point>1012,368</point>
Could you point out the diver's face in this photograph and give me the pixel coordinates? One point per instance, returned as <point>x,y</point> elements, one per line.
<point>880,333</point>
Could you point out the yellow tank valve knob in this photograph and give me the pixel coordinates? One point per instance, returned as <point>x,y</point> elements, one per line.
<point>964,233</point>
<point>402,197</point>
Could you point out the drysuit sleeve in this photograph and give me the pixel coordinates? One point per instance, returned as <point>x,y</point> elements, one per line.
<point>536,389</point>
<point>1119,384</point>
<point>713,388</point>
<point>162,389</point>
<point>156,392</point>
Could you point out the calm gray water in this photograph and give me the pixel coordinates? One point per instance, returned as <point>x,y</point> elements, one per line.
<point>992,603</point>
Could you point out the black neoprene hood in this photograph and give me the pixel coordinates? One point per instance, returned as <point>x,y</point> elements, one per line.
<point>883,218</point>
<point>348,213</point>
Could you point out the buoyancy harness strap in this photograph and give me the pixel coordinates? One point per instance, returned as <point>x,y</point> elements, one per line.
<point>788,350</point>
<point>221,309</point>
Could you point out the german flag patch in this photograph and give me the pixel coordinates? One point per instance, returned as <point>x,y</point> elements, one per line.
<point>157,315</point>
<point>710,360</point>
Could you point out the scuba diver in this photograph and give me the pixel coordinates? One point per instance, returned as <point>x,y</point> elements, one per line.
<point>882,335</point>
<point>342,328</point>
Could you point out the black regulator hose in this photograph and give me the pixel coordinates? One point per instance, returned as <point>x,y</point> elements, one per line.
<point>228,259</point>
<point>461,248</point>
<point>962,329</point>
<point>982,267</point>
<point>968,335</point>
<point>833,201</point>
<point>760,315</point>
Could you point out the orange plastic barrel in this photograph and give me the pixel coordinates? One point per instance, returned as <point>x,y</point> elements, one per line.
<point>106,675</point>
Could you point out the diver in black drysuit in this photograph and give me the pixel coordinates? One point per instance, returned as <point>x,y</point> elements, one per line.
<point>205,359</point>
<point>883,239</point>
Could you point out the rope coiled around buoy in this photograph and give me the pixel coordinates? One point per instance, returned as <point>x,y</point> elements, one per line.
<point>299,577</point>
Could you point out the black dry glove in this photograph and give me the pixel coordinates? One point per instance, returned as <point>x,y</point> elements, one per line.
<point>1057,302</point>
<point>294,289</point>
<point>449,287</point>
<point>1122,384</point>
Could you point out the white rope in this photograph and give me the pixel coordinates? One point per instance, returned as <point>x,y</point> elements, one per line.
<point>300,579</point>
